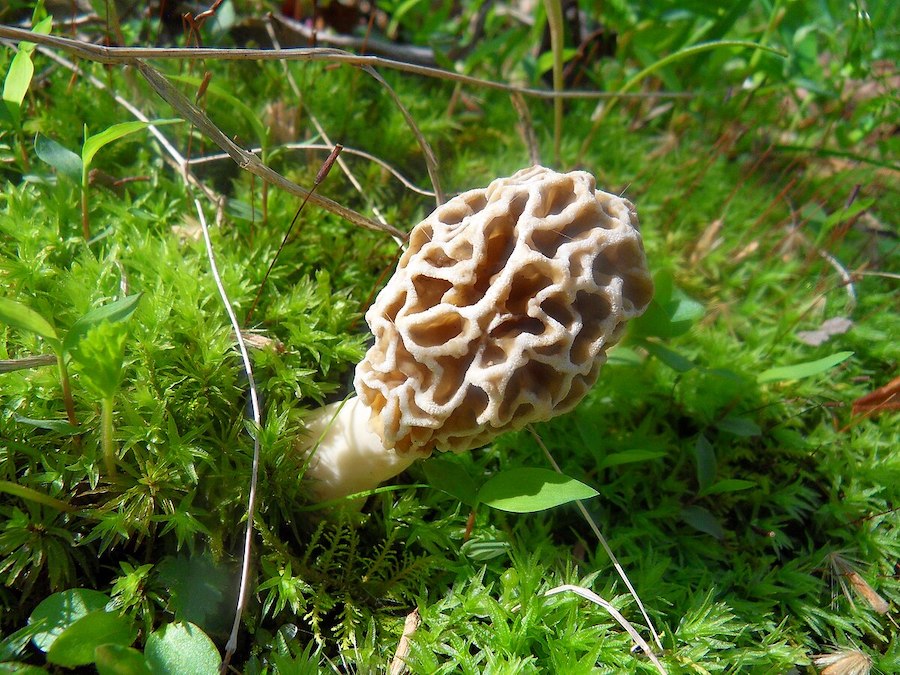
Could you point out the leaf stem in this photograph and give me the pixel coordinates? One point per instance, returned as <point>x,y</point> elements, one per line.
<point>66,390</point>
<point>555,22</point>
<point>106,435</point>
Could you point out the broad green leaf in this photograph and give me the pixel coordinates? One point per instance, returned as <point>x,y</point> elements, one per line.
<point>451,478</point>
<point>671,358</point>
<point>670,313</point>
<point>181,648</point>
<point>92,144</point>
<point>739,426</point>
<point>76,644</point>
<point>727,485</point>
<point>119,310</point>
<point>21,69</point>
<point>60,158</point>
<point>629,457</point>
<point>800,370</point>
<point>99,356</point>
<point>701,519</point>
<point>195,589</point>
<point>18,79</point>
<point>528,490</point>
<point>17,315</point>
<point>705,455</point>
<point>112,659</point>
<point>59,611</point>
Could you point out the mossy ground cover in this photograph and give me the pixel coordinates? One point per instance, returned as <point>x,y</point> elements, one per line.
<point>751,508</point>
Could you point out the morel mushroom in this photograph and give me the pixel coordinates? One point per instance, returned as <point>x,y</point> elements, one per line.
<point>499,314</point>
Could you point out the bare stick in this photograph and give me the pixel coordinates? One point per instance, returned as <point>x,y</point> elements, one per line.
<point>257,420</point>
<point>247,160</point>
<point>398,663</point>
<point>126,55</point>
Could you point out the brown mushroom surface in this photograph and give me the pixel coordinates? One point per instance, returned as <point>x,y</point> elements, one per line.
<point>501,311</point>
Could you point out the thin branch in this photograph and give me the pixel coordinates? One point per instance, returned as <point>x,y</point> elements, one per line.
<point>247,160</point>
<point>126,55</point>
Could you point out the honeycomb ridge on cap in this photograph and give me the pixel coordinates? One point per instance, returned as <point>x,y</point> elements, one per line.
<point>501,310</point>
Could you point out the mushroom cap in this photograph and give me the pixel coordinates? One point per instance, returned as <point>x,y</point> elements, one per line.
<point>501,311</point>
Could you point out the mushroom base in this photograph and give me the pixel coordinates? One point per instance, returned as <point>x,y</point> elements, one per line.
<point>346,455</point>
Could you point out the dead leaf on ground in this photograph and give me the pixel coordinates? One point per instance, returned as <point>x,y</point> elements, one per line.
<point>835,326</point>
<point>881,400</point>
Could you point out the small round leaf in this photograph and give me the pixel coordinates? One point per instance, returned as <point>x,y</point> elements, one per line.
<point>76,644</point>
<point>61,610</point>
<point>182,648</point>
<point>120,660</point>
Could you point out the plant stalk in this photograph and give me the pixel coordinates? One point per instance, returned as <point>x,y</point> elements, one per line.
<point>106,435</point>
<point>85,223</point>
<point>555,22</point>
<point>66,390</point>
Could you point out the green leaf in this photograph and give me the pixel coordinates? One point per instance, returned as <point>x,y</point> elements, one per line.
<point>57,426</point>
<point>114,659</point>
<point>92,144</point>
<point>59,611</point>
<point>32,495</point>
<point>60,158</point>
<point>181,648</point>
<point>21,70</point>
<point>630,457</point>
<point>481,551</point>
<point>528,490</point>
<point>17,315</point>
<point>670,313</point>
<point>21,668</point>
<point>14,644</point>
<point>739,426</point>
<point>195,588</point>
<point>451,477</point>
<point>801,370</point>
<point>114,312</point>
<point>701,519</point>
<point>705,455</point>
<point>623,356</point>
<point>727,485</point>
<point>673,359</point>
<point>18,79</point>
<point>76,644</point>
<point>99,356</point>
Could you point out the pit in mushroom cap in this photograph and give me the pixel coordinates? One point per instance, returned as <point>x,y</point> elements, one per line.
<point>501,311</point>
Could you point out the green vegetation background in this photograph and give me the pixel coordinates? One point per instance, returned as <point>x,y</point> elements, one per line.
<point>754,515</point>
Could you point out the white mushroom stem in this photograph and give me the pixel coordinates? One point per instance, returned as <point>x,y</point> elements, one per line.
<point>346,455</point>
